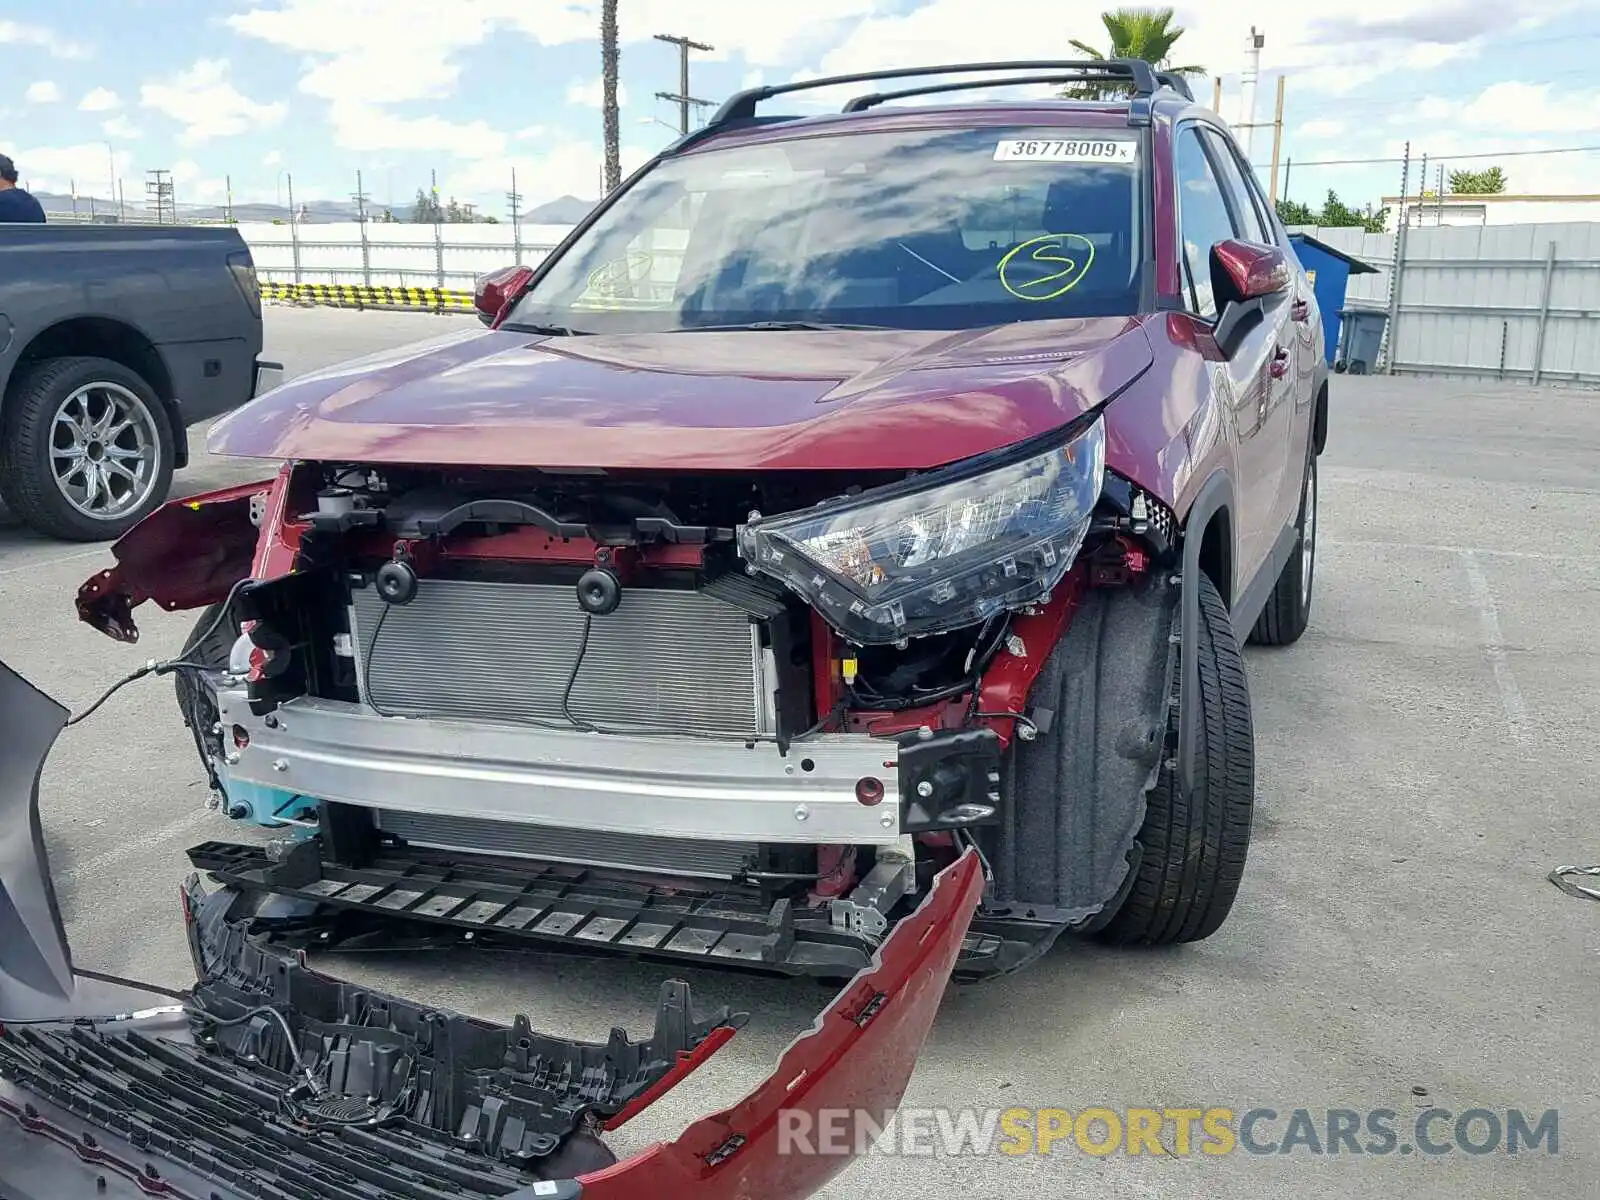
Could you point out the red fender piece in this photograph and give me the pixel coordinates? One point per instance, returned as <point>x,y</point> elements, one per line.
<point>857,1056</point>
<point>185,554</point>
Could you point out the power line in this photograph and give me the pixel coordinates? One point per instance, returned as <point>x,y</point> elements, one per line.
<point>1369,162</point>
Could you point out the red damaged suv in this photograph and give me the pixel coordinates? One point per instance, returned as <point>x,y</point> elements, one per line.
<point>849,499</point>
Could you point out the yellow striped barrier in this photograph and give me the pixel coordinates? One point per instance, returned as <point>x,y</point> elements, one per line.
<point>348,295</point>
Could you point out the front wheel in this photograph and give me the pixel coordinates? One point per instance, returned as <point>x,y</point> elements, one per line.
<point>86,449</point>
<point>1192,845</point>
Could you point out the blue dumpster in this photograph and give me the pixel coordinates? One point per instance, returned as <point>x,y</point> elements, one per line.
<point>1329,271</point>
<point>1362,335</point>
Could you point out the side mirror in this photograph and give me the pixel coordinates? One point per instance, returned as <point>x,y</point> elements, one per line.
<point>1243,276</point>
<point>1243,271</point>
<point>497,289</point>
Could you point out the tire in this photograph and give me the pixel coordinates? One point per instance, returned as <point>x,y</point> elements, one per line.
<point>209,642</point>
<point>1192,847</point>
<point>1288,608</point>
<point>58,475</point>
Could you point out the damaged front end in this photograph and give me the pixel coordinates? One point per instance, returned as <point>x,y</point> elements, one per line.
<point>268,1079</point>
<point>732,718</point>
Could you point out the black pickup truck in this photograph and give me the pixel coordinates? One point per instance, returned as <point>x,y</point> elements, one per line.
<point>114,339</point>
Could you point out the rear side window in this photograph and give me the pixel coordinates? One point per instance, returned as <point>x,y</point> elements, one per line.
<point>1252,226</point>
<point>1203,218</point>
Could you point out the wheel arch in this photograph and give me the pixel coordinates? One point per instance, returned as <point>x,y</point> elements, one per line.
<point>1319,420</point>
<point>1208,550</point>
<point>120,342</point>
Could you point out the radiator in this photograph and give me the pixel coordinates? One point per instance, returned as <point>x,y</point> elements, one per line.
<point>665,660</point>
<point>674,856</point>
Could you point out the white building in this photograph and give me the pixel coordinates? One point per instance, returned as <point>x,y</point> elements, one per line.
<point>1500,209</point>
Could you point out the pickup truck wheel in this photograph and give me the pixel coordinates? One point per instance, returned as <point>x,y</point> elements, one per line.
<point>87,449</point>
<point>1192,846</point>
<point>1288,609</point>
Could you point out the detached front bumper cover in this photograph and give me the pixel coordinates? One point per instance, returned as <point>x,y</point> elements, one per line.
<point>414,1102</point>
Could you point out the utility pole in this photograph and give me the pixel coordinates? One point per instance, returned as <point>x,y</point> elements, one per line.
<point>1396,267</point>
<point>359,198</point>
<point>1421,194</point>
<point>1216,94</point>
<point>514,201</point>
<point>1277,138</point>
<point>1247,87</point>
<point>158,196</point>
<point>682,97</point>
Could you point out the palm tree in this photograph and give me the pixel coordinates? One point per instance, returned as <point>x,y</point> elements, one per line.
<point>1146,33</point>
<point>608,93</point>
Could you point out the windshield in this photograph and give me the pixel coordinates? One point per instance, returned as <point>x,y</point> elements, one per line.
<point>909,229</point>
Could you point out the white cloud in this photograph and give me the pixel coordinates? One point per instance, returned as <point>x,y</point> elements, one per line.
<point>529,133</point>
<point>207,104</point>
<point>589,93</point>
<point>120,127</point>
<point>36,35</point>
<point>567,168</point>
<point>99,100</point>
<point>57,168</point>
<point>43,92</point>
<point>1514,107</point>
<point>364,56</point>
<point>191,185</point>
<point>1321,128</point>
<point>271,158</point>
<point>368,128</point>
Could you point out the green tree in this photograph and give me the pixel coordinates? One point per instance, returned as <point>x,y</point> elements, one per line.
<point>1146,33</point>
<point>1488,182</point>
<point>1335,214</point>
<point>1292,212</point>
<point>425,210</point>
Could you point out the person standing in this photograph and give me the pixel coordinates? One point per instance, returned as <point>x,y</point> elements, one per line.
<point>16,205</point>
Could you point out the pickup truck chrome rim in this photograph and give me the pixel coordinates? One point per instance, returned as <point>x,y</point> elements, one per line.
<point>1308,532</point>
<point>104,452</point>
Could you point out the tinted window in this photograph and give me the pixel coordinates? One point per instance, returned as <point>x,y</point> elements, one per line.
<point>1252,227</point>
<point>917,229</point>
<point>1203,218</point>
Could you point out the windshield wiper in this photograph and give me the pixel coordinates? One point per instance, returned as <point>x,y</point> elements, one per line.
<point>776,326</point>
<point>547,330</point>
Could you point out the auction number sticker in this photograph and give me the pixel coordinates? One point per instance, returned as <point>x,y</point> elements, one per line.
<point>1071,150</point>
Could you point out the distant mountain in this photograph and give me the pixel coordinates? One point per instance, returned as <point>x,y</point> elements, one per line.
<point>568,210</point>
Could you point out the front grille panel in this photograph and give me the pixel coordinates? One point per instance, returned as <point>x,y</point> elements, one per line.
<point>668,660</point>
<point>589,847</point>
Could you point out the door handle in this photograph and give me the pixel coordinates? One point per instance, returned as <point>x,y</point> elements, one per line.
<point>1300,311</point>
<point>1280,363</point>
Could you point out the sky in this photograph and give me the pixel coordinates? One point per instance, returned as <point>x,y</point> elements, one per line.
<point>265,94</point>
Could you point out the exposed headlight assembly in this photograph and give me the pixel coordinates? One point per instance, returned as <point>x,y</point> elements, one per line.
<point>913,559</point>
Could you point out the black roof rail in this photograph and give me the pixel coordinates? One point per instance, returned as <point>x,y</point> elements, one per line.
<point>873,99</point>
<point>742,105</point>
<point>1176,82</point>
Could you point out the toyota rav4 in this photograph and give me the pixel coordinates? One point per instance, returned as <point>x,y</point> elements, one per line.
<point>846,492</point>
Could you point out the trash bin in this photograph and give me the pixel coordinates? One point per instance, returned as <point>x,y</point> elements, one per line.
<point>1360,335</point>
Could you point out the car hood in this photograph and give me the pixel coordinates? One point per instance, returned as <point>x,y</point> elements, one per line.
<point>891,399</point>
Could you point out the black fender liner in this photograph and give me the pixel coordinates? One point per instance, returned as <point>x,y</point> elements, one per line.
<point>1216,494</point>
<point>1067,848</point>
